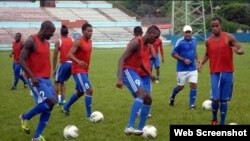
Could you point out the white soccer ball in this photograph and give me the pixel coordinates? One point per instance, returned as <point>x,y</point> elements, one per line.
<point>96,117</point>
<point>70,131</point>
<point>149,132</point>
<point>207,104</point>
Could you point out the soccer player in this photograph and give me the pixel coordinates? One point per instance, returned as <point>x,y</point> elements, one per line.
<point>17,45</point>
<point>219,51</point>
<point>63,71</point>
<point>35,61</point>
<point>127,73</point>
<point>185,53</point>
<point>80,54</point>
<point>155,61</point>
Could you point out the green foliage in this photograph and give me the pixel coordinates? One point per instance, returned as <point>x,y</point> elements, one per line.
<point>115,104</point>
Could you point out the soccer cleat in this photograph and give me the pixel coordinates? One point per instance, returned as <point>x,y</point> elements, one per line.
<point>62,102</point>
<point>13,88</point>
<point>192,107</point>
<point>149,116</point>
<point>171,102</point>
<point>67,113</point>
<point>214,122</point>
<point>25,125</point>
<point>157,81</point>
<point>138,132</point>
<point>129,130</point>
<point>40,138</point>
<point>25,86</point>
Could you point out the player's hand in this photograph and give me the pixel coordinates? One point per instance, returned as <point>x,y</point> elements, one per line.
<point>83,64</point>
<point>199,67</point>
<point>187,61</point>
<point>239,51</point>
<point>119,84</point>
<point>152,77</point>
<point>34,81</point>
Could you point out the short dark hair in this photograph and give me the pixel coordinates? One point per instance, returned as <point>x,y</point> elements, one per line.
<point>64,30</point>
<point>216,18</point>
<point>138,30</point>
<point>85,26</point>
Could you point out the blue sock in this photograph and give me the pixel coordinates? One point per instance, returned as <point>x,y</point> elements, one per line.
<point>88,104</point>
<point>39,108</point>
<point>215,107</point>
<point>192,97</point>
<point>175,91</point>
<point>134,109</point>
<point>144,113</point>
<point>44,117</point>
<point>72,100</point>
<point>223,112</point>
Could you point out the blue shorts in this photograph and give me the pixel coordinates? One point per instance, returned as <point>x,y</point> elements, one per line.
<point>82,82</point>
<point>222,86</point>
<point>63,72</point>
<point>132,81</point>
<point>147,83</point>
<point>17,70</point>
<point>44,90</point>
<point>155,62</point>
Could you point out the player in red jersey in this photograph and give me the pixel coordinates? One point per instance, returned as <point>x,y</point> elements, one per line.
<point>128,66</point>
<point>219,51</point>
<point>17,45</point>
<point>63,71</point>
<point>80,54</point>
<point>35,61</point>
<point>155,61</point>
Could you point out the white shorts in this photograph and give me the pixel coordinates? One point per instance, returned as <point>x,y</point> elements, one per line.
<point>190,76</point>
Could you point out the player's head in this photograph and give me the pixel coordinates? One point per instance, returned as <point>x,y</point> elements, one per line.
<point>187,32</point>
<point>64,30</point>
<point>152,34</point>
<point>216,25</point>
<point>18,36</point>
<point>138,31</point>
<point>87,30</point>
<point>47,30</point>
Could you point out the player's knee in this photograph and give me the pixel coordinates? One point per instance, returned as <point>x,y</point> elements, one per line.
<point>89,92</point>
<point>79,94</point>
<point>147,100</point>
<point>215,101</point>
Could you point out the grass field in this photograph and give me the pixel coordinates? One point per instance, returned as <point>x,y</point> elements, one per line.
<point>115,103</point>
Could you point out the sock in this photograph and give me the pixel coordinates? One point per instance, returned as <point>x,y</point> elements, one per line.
<point>134,109</point>
<point>192,97</point>
<point>39,108</point>
<point>88,104</point>
<point>72,100</point>
<point>223,112</point>
<point>215,107</point>
<point>174,93</point>
<point>144,113</point>
<point>44,117</point>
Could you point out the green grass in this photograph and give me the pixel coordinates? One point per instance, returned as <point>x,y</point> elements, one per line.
<point>115,103</point>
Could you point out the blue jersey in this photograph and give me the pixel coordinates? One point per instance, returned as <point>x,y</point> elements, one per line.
<point>186,48</point>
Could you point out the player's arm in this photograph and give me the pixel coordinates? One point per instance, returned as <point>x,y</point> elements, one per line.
<point>152,51</point>
<point>76,46</point>
<point>235,44</point>
<point>161,51</point>
<point>29,46</point>
<point>131,48</point>
<point>176,55</point>
<point>55,55</point>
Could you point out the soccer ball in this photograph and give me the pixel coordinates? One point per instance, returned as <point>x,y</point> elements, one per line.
<point>207,105</point>
<point>232,123</point>
<point>70,131</point>
<point>96,117</point>
<point>149,132</point>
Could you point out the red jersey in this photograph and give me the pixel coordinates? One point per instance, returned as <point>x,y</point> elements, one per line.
<point>83,53</point>
<point>65,44</point>
<point>134,61</point>
<point>157,44</point>
<point>38,61</point>
<point>16,46</point>
<point>145,57</point>
<point>220,54</point>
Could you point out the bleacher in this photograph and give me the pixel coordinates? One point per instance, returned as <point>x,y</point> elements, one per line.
<point>111,26</point>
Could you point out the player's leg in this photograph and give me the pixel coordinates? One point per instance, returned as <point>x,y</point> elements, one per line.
<point>215,95</point>
<point>226,93</point>
<point>157,68</point>
<point>16,71</point>
<point>133,82</point>
<point>181,80</point>
<point>193,78</point>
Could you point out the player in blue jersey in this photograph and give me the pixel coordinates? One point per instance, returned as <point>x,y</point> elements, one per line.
<point>185,53</point>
